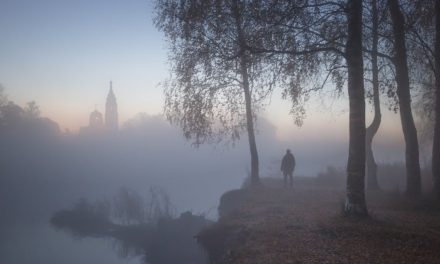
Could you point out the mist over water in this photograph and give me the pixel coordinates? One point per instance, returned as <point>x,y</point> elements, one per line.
<point>44,170</point>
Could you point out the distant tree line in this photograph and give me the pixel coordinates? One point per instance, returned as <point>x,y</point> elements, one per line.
<point>16,119</point>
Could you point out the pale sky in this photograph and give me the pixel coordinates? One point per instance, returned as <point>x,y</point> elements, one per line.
<point>63,53</point>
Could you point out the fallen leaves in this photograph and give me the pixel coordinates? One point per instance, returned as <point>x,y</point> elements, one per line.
<point>305,226</point>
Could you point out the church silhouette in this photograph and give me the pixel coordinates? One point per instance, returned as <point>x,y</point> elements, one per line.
<point>96,120</point>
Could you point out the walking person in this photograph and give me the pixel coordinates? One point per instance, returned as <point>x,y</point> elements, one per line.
<point>287,167</point>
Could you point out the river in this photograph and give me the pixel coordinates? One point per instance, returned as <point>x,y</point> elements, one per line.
<point>39,243</point>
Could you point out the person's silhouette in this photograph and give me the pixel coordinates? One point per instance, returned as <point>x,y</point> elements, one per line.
<point>287,167</point>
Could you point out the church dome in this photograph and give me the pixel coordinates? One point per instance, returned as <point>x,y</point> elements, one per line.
<point>96,120</point>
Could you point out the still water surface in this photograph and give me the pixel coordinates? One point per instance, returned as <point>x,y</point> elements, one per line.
<point>41,244</point>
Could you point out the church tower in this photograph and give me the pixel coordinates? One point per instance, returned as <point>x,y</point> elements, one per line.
<point>111,111</point>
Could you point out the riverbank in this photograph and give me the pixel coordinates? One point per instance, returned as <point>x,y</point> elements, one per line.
<point>306,225</point>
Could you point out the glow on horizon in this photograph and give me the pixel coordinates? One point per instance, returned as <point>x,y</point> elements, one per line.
<point>62,54</point>
<point>73,113</point>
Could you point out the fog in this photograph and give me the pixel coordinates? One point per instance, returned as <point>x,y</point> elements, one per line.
<point>44,170</point>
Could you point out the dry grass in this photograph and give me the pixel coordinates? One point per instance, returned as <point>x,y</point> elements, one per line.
<point>305,225</point>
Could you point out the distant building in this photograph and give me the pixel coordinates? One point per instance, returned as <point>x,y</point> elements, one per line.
<point>96,124</point>
<point>111,111</point>
<point>96,120</point>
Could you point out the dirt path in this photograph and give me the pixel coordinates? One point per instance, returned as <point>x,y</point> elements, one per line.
<point>275,225</point>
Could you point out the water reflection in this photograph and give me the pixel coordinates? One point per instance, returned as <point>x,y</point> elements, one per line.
<point>137,228</point>
<point>41,244</point>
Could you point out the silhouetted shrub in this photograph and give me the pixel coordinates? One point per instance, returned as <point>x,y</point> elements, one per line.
<point>149,229</point>
<point>84,219</point>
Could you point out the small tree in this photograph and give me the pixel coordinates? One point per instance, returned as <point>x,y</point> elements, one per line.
<point>32,110</point>
<point>217,84</point>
